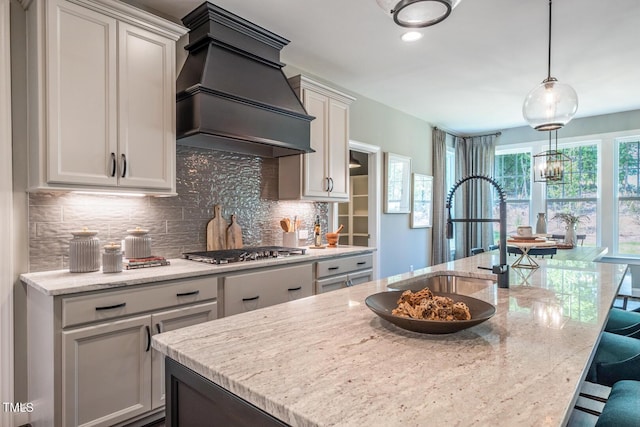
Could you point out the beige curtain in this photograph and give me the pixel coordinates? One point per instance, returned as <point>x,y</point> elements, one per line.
<point>474,199</point>
<point>439,244</point>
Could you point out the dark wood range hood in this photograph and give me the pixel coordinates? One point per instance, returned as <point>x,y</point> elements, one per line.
<point>232,94</point>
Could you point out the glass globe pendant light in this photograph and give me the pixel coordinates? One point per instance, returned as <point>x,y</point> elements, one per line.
<point>418,13</point>
<point>551,104</point>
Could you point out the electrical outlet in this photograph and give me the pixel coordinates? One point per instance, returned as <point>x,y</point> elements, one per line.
<point>303,234</point>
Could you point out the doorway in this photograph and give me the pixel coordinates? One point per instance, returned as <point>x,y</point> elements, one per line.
<point>361,216</point>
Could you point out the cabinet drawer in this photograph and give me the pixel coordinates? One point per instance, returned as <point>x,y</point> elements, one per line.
<point>137,299</point>
<point>250,291</point>
<point>343,265</point>
<point>334,283</point>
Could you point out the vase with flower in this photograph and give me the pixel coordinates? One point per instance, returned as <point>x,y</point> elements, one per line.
<point>571,222</point>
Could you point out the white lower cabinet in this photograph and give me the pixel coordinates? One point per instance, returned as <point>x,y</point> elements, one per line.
<point>106,372</point>
<point>90,356</point>
<point>343,272</point>
<point>250,291</point>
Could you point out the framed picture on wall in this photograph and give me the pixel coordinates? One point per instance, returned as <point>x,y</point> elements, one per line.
<point>421,201</point>
<point>397,186</point>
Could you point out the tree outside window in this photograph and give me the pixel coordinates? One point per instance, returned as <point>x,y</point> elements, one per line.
<point>578,194</point>
<point>629,197</point>
<point>513,173</point>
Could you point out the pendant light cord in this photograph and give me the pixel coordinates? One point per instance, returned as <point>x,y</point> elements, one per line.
<point>549,62</point>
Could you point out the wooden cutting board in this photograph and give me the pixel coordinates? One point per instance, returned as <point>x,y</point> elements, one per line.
<point>216,230</point>
<point>234,234</point>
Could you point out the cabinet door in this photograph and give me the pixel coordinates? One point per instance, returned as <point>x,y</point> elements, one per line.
<point>106,372</point>
<point>316,179</point>
<point>250,291</point>
<point>81,119</point>
<point>169,321</point>
<point>338,149</point>
<point>146,113</point>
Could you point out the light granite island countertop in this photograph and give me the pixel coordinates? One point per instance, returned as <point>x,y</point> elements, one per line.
<point>328,360</point>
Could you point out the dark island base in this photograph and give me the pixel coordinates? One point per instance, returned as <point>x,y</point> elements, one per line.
<point>193,400</point>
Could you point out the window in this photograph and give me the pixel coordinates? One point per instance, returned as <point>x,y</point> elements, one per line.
<point>578,194</point>
<point>628,189</point>
<point>513,173</point>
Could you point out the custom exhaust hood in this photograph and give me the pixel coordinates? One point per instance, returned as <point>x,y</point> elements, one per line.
<point>232,94</point>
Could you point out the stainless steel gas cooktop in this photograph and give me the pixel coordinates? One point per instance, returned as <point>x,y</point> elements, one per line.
<point>226,256</point>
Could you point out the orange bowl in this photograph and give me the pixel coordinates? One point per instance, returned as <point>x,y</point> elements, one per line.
<point>332,238</point>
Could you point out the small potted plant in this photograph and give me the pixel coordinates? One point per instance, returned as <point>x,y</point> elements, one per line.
<point>571,222</point>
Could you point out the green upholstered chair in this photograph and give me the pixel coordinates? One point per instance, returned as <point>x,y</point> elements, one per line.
<point>617,358</point>
<point>623,322</point>
<point>623,406</point>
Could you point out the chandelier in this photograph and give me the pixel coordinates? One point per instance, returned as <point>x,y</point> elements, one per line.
<point>418,13</point>
<point>551,104</point>
<point>550,166</point>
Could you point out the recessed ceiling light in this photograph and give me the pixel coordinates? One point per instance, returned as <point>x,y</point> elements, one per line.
<point>411,36</point>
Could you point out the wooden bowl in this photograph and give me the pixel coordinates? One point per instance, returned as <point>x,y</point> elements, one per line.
<point>332,239</point>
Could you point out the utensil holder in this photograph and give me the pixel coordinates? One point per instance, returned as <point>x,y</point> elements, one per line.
<point>290,239</point>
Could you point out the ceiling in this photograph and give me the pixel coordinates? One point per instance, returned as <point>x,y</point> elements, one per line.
<point>468,74</point>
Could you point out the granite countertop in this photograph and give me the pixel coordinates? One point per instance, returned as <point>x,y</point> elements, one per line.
<point>62,282</point>
<point>328,360</point>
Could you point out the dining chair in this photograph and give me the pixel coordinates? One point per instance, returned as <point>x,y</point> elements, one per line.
<point>537,252</point>
<point>617,358</point>
<point>623,322</point>
<point>493,247</point>
<point>476,251</point>
<point>622,407</point>
<point>542,252</point>
<point>580,238</point>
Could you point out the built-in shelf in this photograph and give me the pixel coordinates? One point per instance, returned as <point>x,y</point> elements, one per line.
<point>354,215</point>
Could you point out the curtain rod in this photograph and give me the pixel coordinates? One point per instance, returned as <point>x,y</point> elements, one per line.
<point>473,136</point>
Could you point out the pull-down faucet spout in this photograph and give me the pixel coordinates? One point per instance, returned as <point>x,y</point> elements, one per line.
<point>501,270</point>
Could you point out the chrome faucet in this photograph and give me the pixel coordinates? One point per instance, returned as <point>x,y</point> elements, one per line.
<point>501,270</point>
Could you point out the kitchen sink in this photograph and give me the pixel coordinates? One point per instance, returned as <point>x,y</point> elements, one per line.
<point>449,283</point>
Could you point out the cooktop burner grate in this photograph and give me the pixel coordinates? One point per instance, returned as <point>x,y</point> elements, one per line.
<point>226,256</point>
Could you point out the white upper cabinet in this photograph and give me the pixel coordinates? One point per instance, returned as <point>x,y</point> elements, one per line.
<point>323,175</point>
<point>101,97</point>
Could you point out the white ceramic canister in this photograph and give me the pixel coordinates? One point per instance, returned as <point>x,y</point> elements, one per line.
<point>84,251</point>
<point>137,244</point>
<point>112,258</point>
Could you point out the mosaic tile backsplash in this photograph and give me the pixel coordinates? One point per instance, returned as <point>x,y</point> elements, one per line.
<point>246,186</point>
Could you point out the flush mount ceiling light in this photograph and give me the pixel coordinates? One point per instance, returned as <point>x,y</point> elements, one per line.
<point>550,166</point>
<point>418,13</point>
<point>552,104</point>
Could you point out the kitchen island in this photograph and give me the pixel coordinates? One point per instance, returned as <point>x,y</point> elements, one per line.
<point>328,360</point>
